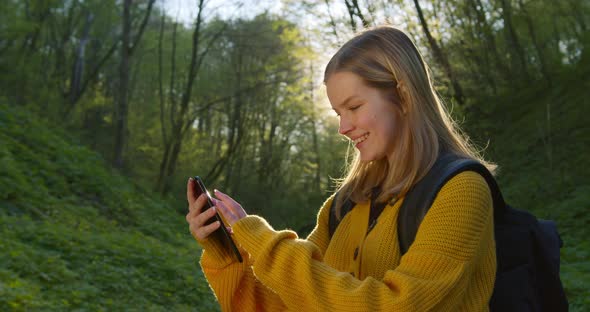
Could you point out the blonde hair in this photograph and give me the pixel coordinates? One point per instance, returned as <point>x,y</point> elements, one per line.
<point>387,59</point>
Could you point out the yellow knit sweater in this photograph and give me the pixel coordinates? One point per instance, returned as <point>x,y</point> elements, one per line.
<point>451,265</point>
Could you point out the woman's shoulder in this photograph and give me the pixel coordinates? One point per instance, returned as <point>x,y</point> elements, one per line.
<point>465,187</point>
<point>467,180</point>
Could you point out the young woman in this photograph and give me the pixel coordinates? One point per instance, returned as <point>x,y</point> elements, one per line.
<point>380,87</point>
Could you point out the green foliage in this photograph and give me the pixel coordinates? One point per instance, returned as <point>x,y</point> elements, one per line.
<point>76,236</point>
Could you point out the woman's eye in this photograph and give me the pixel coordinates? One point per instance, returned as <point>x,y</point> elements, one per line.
<point>352,108</point>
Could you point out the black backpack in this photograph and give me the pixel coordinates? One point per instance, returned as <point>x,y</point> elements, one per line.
<point>527,249</point>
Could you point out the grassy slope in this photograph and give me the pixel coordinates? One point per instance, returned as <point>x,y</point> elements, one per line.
<point>560,191</point>
<point>77,236</point>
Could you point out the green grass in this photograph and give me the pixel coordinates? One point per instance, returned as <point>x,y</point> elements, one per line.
<point>76,236</point>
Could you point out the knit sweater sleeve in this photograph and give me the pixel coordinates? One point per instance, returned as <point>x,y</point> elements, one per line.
<point>234,283</point>
<point>433,274</point>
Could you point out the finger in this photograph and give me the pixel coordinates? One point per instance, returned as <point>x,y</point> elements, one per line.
<point>225,210</point>
<point>228,213</point>
<point>226,198</point>
<point>236,209</point>
<point>193,216</point>
<point>199,203</point>
<point>201,219</point>
<point>203,232</point>
<point>190,194</point>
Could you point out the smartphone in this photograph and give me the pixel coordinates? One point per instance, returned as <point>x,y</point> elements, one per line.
<point>221,234</point>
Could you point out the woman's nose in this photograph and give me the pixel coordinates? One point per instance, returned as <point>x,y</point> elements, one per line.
<point>345,126</point>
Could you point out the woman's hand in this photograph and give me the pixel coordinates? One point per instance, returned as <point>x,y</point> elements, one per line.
<point>195,217</point>
<point>231,210</point>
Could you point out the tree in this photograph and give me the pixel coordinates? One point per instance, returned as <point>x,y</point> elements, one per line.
<point>181,118</point>
<point>440,56</point>
<point>354,10</point>
<point>127,48</point>
<point>517,57</point>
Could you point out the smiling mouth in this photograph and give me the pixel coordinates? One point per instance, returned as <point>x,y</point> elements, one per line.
<point>360,139</point>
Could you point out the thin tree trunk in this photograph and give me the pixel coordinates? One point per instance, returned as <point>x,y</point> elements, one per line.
<point>235,119</point>
<point>185,124</point>
<point>91,77</point>
<point>30,42</point>
<point>78,68</point>
<point>440,56</point>
<point>490,50</point>
<point>517,57</point>
<point>177,119</point>
<point>122,106</point>
<point>351,15</point>
<point>354,10</point>
<point>163,124</point>
<point>537,45</point>
<point>61,38</point>
<point>332,22</point>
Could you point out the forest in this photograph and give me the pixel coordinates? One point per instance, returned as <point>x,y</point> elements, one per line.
<point>108,106</point>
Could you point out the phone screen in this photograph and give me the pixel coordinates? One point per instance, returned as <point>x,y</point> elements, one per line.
<point>221,234</point>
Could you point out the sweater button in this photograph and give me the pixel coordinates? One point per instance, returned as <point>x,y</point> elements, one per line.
<point>356,253</point>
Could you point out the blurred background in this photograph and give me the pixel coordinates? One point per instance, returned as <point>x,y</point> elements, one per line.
<point>107,107</point>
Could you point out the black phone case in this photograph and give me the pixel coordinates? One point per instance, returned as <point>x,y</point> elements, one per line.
<point>221,234</point>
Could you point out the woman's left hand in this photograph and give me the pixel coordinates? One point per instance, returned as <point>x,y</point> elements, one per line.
<point>231,210</point>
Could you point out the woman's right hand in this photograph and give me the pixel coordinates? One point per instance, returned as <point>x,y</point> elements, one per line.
<point>197,218</point>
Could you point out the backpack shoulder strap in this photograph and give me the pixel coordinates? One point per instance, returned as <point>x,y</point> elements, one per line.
<point>333,222</point>
<point>421,196</point>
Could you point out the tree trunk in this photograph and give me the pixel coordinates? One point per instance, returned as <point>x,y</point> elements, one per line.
<point>536,44</point>
<point>176,148</point>
<point>161,94</point>
<point>354,10</point>
<point>159,187</point>
<point>78,68</point>
<point>122,106</point>
<point>517,57</point>
<point>61,38</point>
<point>179,123</point>
<point>332,22</point>
<point>90,77</point>
<point>490,49</point>
<point>440,56</point>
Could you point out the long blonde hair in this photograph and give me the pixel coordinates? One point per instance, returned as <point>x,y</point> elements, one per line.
<point>387,59</point>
